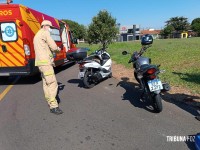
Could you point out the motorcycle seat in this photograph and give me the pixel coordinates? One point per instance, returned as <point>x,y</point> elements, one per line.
<point>144,67</point>
<point>97,60</point>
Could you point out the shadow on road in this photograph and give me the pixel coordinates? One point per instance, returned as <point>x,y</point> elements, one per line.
<point>133,94</point>
<point>187,99</point>
<point>60,88</point>
<point>77,81</point>
<point>81,84</point>
<point>20,80</point>
<point>183,101</point>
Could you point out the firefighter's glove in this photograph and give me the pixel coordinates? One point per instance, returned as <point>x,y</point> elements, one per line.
<point>58,49</point>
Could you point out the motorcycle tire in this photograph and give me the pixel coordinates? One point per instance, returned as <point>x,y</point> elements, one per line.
<point>87,80</point>
<point>110,75</point>
<point>157,103</point>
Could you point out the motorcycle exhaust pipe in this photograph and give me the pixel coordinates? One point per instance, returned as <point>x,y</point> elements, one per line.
<point>166,87</point>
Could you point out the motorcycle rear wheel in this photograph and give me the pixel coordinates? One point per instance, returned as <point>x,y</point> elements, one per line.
<point>87,81</point>
<point>157,103</point>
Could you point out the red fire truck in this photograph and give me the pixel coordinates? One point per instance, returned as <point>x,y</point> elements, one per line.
<point>18,26</point>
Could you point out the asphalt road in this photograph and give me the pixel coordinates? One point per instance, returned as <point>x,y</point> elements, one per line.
<point>109,116</point>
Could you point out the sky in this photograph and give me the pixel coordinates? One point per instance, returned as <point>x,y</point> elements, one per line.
<point>147,14</point>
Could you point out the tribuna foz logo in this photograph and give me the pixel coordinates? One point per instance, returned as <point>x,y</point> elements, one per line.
<point>190,138</point>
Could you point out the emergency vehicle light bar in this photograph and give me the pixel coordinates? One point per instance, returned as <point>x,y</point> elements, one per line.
<point>6,1</point>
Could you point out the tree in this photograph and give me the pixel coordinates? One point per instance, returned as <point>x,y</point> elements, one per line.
<point>195,26</point>
<point>102,29</point>
<point>167,31</point>
<point>79,31</point>
<point>179,24</point>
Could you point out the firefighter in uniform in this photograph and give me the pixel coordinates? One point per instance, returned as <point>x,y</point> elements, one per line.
<point>44,45</point>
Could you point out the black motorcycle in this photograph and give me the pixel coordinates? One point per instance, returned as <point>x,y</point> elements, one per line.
<point>146,74</point>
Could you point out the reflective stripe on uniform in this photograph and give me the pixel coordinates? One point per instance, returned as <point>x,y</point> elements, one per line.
<point>41,62</point>
<point>51,55</point>
<point>48,73</point>
<point>52,103</point>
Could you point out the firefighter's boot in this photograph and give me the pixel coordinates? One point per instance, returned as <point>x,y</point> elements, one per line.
<point>56,111</point>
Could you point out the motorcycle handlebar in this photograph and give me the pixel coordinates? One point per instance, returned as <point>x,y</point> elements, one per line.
<point>100,50</point>
<point>143,49</point>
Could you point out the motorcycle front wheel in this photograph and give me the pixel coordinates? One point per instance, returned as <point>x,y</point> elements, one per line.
<point>87,80</point>
<point>157,103</point>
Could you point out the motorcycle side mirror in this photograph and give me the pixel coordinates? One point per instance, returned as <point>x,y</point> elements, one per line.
<point>124,53</point>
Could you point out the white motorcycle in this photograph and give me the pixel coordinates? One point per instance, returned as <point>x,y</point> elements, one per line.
<point>95,68</point>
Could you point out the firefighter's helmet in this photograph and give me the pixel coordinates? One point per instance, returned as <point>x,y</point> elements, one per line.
<point>46,22</point>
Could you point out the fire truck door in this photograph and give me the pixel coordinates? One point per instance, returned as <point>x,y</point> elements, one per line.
<point>11,45</point>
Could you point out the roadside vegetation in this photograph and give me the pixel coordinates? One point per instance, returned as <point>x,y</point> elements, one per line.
<point>179,57</point>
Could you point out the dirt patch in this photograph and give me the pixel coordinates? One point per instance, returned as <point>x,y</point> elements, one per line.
<point>175,94</point>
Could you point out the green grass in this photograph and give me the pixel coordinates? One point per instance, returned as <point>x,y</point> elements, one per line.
<point>179,57</point>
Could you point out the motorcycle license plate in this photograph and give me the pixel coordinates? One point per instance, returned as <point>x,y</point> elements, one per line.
<point>81,75</point>
<point>155,85</point>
